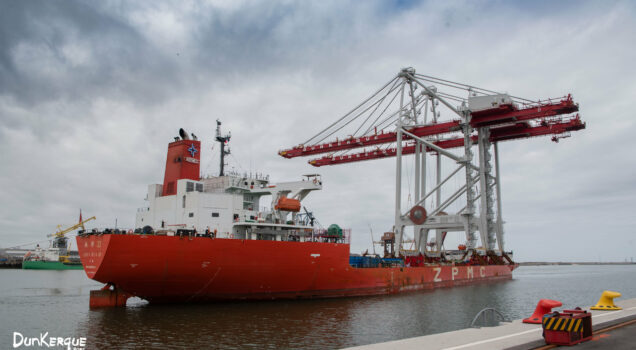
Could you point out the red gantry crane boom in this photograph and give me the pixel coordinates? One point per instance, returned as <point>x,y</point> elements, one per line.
<point>513,132</point>
<point>497,116</point>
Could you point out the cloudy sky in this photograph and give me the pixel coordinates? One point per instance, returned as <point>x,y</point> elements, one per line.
<point>92,92</point>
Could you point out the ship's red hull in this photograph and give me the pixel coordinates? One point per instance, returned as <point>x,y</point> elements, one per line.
<point>174,269</point>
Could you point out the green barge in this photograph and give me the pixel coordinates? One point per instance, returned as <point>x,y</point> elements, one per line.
<point>50,265</point>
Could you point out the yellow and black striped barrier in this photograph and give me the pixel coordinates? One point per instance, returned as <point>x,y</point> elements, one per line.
<point>562,324</point>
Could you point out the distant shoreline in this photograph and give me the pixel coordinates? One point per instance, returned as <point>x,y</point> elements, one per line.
<point>545,263</point>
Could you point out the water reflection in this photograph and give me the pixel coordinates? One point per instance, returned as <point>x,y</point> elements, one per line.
<point>317,324</point>
<point>229,326</point>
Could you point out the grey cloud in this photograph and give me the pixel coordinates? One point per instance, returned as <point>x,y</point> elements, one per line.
<point>42,45</point>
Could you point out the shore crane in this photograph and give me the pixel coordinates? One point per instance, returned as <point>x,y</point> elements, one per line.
<point>62,232</point>
<point>59,238</point>
<point>395,122</point>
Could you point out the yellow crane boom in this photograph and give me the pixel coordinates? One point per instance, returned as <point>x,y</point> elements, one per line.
<point>61,232</point>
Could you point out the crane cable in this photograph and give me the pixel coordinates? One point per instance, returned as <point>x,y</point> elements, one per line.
<point>353,110</point>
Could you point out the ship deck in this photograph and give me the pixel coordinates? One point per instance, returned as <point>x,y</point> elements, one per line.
<point>518,335</point>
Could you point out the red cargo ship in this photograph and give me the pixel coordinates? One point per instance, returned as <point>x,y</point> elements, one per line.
<point>207,239</point>
<point>164,269</point>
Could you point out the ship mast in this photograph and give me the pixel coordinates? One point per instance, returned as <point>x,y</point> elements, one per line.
<point>222,140</point>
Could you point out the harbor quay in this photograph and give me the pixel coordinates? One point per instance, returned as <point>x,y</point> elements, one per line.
<point>518,335</point>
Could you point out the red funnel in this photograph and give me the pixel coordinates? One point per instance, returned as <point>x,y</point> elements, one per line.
<point>543,307</point>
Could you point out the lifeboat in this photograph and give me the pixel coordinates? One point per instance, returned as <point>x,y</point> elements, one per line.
<point>288,204</point>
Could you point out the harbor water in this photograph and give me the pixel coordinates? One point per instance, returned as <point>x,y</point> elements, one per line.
<point>35,302</point>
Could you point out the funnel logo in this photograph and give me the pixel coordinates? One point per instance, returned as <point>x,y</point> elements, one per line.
<point>193,150</point>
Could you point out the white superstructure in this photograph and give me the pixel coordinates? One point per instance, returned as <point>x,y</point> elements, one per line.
<point>230,206</point>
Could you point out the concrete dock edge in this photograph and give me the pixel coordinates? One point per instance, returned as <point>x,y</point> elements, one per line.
<point>514,335</point>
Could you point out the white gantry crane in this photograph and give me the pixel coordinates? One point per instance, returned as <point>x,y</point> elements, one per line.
<point>404,118</point>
